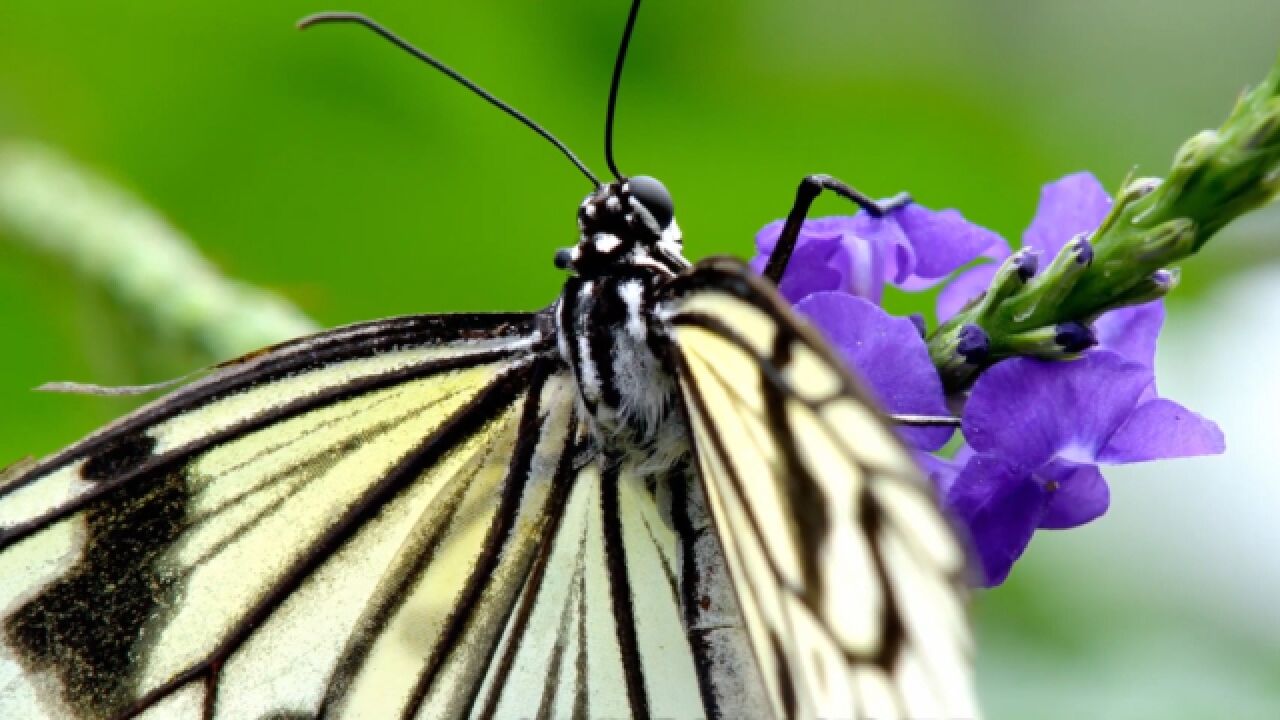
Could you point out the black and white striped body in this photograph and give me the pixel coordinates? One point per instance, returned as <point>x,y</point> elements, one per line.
<point>606,322</point>
<point>609,333</point>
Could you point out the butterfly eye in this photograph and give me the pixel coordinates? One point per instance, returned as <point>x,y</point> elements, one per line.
<point>563,259</point>
<point>655,198</point>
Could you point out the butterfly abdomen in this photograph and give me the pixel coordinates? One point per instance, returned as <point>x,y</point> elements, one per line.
<point>607,337</point>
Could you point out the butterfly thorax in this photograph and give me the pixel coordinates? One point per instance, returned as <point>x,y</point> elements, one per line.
<point>629,245</point>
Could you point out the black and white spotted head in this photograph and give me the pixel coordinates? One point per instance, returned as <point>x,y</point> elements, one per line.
<point>629,223</point>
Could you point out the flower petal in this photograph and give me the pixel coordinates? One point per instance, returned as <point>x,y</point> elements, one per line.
<point>1027,410</point>
<point>1161,428</point>
<point>942,471</point>
<point>966,286</point>
<point>943,240</point>
<point>1001,506</point>
<point>1076,493</point>
<point>810,268</point>
<point>888,354</point>
<point>886,234</point>
<point>912,247</point>
<point>829,255</point>
<point>861,263</point>
<point>767,239</point>
<point>1132,331</point>
<point>1075,204</point>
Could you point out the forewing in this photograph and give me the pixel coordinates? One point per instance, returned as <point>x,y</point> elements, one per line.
<point>340,523</point>
<point>849,577</point>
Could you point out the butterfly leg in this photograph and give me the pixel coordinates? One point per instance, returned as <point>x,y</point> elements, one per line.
<point>810,187</point>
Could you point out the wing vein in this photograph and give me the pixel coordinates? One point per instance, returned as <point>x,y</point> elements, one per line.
<point>495,541</point>
<point>14,533</point>
<point>498,393</point>
<point>524,609</point>
<point>296,356</point>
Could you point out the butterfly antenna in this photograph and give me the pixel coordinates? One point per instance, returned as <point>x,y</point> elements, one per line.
<point>613,88</point>
<point>359,19</point>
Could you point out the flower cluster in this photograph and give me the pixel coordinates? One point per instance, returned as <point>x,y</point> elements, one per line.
<point>1034,431</point>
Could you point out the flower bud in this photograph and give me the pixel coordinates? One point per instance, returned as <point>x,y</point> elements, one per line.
<point>1010,279</point>
<point>973,344</point>
<point>1054,342</point>
<point>1153,287</point>
<point>1167,242</point>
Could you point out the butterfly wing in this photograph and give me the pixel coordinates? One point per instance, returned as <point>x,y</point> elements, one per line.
<point>339,523</point>
<point>847,574</point>
<point>599,631</point>
<point>398,519</point>
<point>403,518</point>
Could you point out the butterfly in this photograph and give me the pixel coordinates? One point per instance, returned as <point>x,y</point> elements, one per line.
<point>661,496</point>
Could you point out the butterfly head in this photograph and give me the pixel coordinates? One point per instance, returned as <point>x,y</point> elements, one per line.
<point>626,223</point>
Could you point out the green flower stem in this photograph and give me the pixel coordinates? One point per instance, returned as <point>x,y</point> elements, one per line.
<point>1217,176</point>
<point>144,264</point>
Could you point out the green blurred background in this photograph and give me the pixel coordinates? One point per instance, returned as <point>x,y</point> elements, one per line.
<point>330,168</point>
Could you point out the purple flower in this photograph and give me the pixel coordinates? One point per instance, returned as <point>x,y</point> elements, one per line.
<point>911,247</point>
<point>1035,430</point>
<point>1038,429</point>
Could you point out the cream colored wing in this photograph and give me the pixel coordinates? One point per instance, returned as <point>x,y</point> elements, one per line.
<point>847,574</point>
<point>598,631</point>
<point>339,525</point>
<point>576,615</point>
